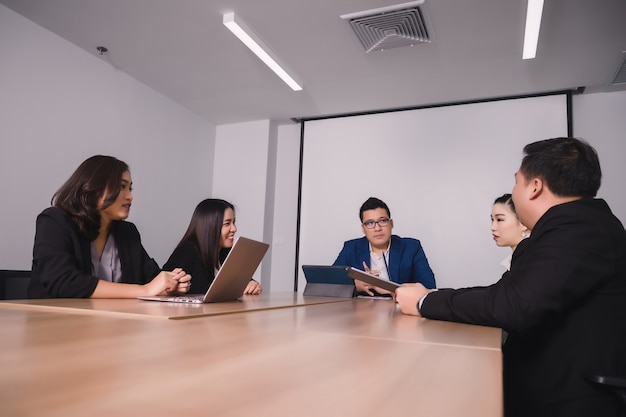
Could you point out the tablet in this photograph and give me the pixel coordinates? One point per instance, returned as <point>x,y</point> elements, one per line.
<point>372,279</point>
<point>328,281</point>
<point>327,274</point>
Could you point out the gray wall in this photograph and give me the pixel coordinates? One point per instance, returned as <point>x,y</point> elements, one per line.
<point>60,105</point>
<point>600,118</point>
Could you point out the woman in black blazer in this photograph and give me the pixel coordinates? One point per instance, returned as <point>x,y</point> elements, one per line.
<point>84,248</point>
<point>208,239</point>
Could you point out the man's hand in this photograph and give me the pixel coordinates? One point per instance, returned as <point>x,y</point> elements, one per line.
<point>408,295</point>
<point>367,288</point>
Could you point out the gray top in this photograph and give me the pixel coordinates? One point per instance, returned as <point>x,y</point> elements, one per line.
<point>108,267</point>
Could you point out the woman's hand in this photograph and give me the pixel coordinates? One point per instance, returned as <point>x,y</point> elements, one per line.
<point>169,282</point>
<point>184,282</point>
<point>253,288</point>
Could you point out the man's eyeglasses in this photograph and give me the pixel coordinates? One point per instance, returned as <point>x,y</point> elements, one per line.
<point>381,222</point>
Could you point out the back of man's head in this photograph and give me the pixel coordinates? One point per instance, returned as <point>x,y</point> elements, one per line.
<point>569,166</point>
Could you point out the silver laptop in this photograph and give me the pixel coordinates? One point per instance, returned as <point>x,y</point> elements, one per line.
<point>232,278</point>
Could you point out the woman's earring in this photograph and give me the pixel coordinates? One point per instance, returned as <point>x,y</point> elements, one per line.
<point>525,234</point>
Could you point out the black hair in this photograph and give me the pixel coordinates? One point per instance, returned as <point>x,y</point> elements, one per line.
<point>507,200</point>
<point>373,203</point>
<point>205,229</point>
<point>570,167</point>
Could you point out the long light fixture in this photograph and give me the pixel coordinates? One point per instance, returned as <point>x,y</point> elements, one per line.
<point>533,22</point>
<point>245,35</point>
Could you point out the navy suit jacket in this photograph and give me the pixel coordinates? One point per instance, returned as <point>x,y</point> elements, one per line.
<point>407,260</point>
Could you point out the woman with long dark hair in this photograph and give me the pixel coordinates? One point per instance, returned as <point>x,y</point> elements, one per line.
<point>85,248</point>
<point>204,246</point>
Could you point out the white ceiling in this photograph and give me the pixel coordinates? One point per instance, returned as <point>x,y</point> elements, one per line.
<point>181,49</point>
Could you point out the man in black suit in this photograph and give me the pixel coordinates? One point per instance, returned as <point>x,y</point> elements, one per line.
<point>563,303</point>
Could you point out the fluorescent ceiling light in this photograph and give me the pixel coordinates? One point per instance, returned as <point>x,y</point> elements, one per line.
<point>246,36</point>
<point>533,22</point>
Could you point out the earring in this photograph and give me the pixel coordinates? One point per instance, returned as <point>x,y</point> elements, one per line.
<point>525,234</point>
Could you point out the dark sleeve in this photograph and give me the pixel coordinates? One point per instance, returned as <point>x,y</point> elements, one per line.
<point>137,266</point>
<point>185,256</point>
<point>551,271</point>
<point>61,259</point>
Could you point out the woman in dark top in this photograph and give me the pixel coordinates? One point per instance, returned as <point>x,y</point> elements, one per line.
<point>207,241</point>
<point>83,247</point>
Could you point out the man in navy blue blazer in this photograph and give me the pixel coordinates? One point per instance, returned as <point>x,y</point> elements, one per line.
<point>388,256</point>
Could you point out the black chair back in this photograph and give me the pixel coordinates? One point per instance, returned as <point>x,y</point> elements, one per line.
<point>14,284</point>
<point>613,383</point>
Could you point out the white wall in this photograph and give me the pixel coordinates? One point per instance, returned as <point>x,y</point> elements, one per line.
<point>60,105</point>
<point>241,173</point>
<point>601,119</point>
<point>286,208</point>
<point>256,169</point>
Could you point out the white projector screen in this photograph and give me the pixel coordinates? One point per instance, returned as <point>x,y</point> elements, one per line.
<point>439,170</point>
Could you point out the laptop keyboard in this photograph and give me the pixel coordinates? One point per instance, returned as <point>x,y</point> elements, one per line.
<point>186,298</point>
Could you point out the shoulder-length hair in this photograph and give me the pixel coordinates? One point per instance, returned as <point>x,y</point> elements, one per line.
<point>96,177</point>
<point>205,230</point>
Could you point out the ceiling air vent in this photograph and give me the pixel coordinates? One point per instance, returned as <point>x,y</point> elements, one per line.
<point>620,75</point>
<point>390,27</point>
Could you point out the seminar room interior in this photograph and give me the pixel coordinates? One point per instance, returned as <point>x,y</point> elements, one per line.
<point>433,121</point>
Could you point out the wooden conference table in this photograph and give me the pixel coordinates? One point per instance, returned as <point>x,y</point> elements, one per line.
<point>296,356</point>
